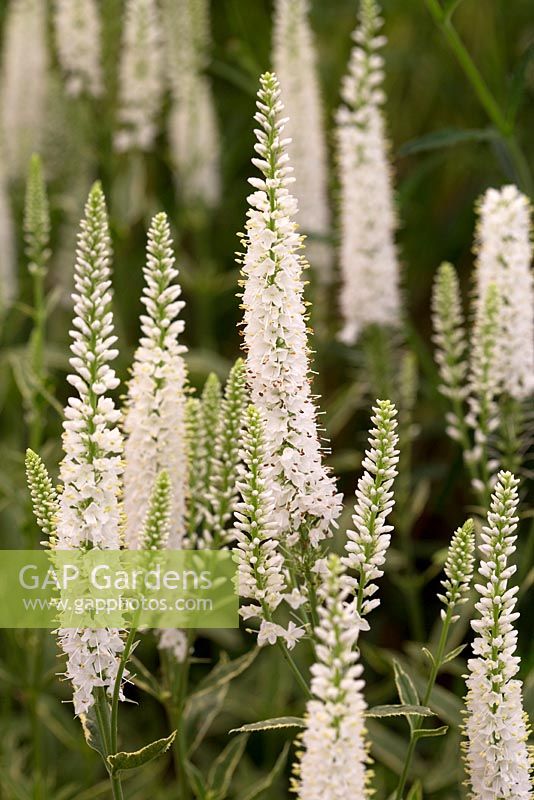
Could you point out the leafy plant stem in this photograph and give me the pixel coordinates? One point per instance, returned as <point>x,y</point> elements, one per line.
<point>176,676</point>
<point>37,356</point>
<point>294,669</point>
<point>442,18</point>
<point>104,725</point>
<point>436,665</point>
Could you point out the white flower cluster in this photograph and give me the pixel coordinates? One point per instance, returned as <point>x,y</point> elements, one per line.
<point>304,494</point>
<point>368,258</point>
<point>504,259</point>
<point>89,513</point>
<point>295,64</point>
<point>77,31</point>
<point>332,765</point>
<point>261,575</point>
<point>155,407</point>
<point>141,77</point>
<point>367,544</point>
<point>496,750</point>
<point>193,133</point>
<point>23,83</point>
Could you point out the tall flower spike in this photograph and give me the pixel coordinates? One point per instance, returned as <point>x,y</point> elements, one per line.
<point>458,569</point>
<point>496,728</point>
<point>295,64</point>
<point>222,491</point>
<point>484,378</point>
<point>504,259</point>
<point>78,31</point>
<point>23,83</point>
<point>89,513</point>
<point>43,495</point>
<point>91,468</point>
<point>141,77</point>
<point>367,544</point>
<point>305,499</point>
<point>332,764</point>
<point>368,258</point>
<point>193,135</point>
<point>260,565</point>
<point>155,407</point>
<point>193,428</point>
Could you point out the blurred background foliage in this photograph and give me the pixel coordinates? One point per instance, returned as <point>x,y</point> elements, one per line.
<point>441,168</point>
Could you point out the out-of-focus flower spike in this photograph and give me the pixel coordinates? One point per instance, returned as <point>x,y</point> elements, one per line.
<point>504,258</point>
<point>369,263</point>
<point>295,64</point>
<point>78,32</point>
<point>141,77</point>
<point>458,568</point>
<point>23,83</point>
<point>36,218</point>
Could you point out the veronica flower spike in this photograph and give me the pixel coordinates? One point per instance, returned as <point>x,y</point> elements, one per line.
<point>306,504</point>
<point>154,421</point>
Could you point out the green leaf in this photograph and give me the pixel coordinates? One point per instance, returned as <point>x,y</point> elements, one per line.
<point>200,712</point>
<point>452,654</point>
<point>425,733</point>
<point>416,792</point>
<point>517,87</point>
<point>262,785</point>
<point>428,654</point>
<point>197,781</point>
<point>390,749</point>
<point>223,768</point>
<point>138,758</point>
<point>225,671</point>
<point>405,687</point>
<point>447,137</point>
<point>399,711</point>
<point>270,724</point>
<point>91,731</point>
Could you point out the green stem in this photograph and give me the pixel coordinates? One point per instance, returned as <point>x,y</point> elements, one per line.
<point>176,677</point>
<point>436,664</point>
<point>294,669</point>
<point>104,725</point>
<point>37,356</point>
<point>114,721</point>
<point>484,94</point>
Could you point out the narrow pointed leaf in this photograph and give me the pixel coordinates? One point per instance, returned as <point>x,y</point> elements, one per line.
<point>399,710</point>
<point>138,758</point>
<point>270,724</point>
<point>425,733</point>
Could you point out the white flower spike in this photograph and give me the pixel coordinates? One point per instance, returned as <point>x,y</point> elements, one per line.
<point>141,77</point>
<point>332,764</point>
<point>496,728</point>
<point>369,263</point>
<point>154,422</point>
<point>89,514</point>
<point>295,64</point>
<point>78,31</point>
<point>306,504</point>
<point>504,251</point>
